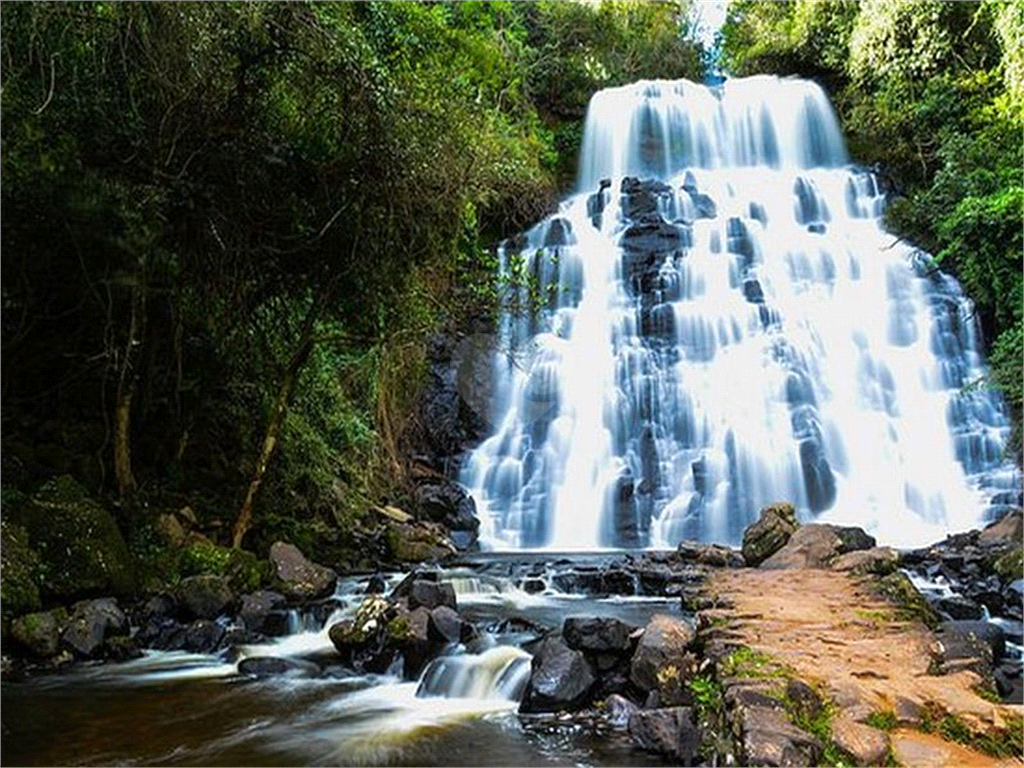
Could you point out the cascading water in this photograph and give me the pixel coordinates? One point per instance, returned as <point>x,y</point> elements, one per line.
<point>717,321</point>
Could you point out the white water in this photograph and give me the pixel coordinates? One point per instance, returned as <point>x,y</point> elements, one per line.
<point>785,347</point>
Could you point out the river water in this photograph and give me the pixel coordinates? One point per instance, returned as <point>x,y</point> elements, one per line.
<point>186,709</point>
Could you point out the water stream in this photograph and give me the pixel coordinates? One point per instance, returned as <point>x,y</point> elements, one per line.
<point>723,323</point>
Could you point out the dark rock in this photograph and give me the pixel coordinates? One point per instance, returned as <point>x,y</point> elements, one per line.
<point>560,678</point>
<point>257,607</point>
<point>300,579</point>
<point>769,534</point>
<point>19,564</point>
<point>38,634</point>
<point>272,666</point>
<point>444,625</point>
<point>767,737</point>
<point>956,607</point>
<point>415,644</point>
<point>79,541</point>
<point>616,581</point>
<point>203,636</point>
<point>664,640</point>
<point>277,623</point>
<point>625,522</point>
<point>854,539</point>
<point>203,597</point>
<point>704,206</point>
<point>668,732</point>
<point>559,233</point>
<point>816,228</point>
<point>804,700</point>
<point>431,594</point>
<point>121,648</point>
<point>961,639</point>
<point>599,635</point>
<point>449,504</point>
<point>651,234</point>
<point>714,555</point>
<point>157,607</point>
<point>93,621</point>
<point>377,585</point>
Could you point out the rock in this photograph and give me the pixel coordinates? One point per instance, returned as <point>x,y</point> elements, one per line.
<point>79,542</point>
<point>769,534</point>
<point>619,710</point>
<point>425,542</point>
<point>19,569</point>
<point>964,639</point>
<point>203,597</point>
<point>412,634</point>
<point>664,640</point>
<point>203,636</point>
<point>444,625</point>
<point>853,539</point>
<point>1009,529</point>
<point>668,732</point>
<point>170,530</point>
<point>908,712</point>
<point>92,622</point>
<point>121,648</point>
<point>257,608</point>
<point>598,635</point>
<point>901,592</point>
<point>803,699</point>
<point>955,607</point>
<point>560,678</point>
<point>714,555</point>
<point>651,234</point>
<point>272,666</point>
<point>559,233</point>
<point>431,594</point>
<point>449,504</point>
<point>811,546</point>
<point>301,579</point>
<point>877,560</point>
<point>868,745</point>
<point>38,634</point>
<point>767,737</point>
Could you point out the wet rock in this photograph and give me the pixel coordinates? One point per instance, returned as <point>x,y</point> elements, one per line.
<point>38,634</point>
<point>868,745</point>
<point>257,608</point>
<point>203,636</point>
<point>560,678</point>
<point>669,732</point>
<point>599,635</point>
<point>300,579</point>
<point>444,625</point>
<point>640,198</point>
<point>816,545</point>
<point>767,737</point>
<point>616,581</point>
<point>412,634</point>
<point>92,622</point>
<point>203,597</point>
<point>704,206</point>
<point>272,666</point>
<point>121,648</point>
<point>652,235</point>
<point>769,534</point>
<point>964,639</point>
<point>664,640</point>
<point>955,607</point>
<point>449,504</point>
<point>430,594</point>
<point>620,709</point>
<point>714,555</point>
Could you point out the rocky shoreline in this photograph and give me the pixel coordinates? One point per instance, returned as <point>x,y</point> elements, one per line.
<point>719,682</point>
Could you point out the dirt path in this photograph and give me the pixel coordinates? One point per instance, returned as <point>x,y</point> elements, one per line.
<point>828,628</point>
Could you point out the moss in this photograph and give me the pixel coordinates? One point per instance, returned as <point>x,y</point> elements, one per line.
<point>19,573</point>
<point>245,572</point>
<point>1010,565</point>
<point>398,629</point>
<point>883,720</point>
<point>747,662</point>
<point>997,742</point>
<point>818,723</point>
<point>910,604</point>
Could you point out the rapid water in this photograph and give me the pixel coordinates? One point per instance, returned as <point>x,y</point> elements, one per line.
<point>737,329</point>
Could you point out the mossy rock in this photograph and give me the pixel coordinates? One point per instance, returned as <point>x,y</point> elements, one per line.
<point>19,573</point>
<point>82,550</point>
<point>911,605</point>
<point>408,543</point>
<point>245,572</point>
<point>1010,565</point>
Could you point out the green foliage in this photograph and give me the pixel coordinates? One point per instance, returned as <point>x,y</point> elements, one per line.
<point>884,720</point>
<point>998,742</point>
<point>748,662</point>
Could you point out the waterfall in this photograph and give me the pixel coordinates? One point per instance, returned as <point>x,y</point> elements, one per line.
<point>716,321</point>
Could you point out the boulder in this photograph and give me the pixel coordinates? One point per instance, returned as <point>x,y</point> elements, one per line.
<point>965,639</point>
<point>877,560</point>
<point>19,566</point>
<point>669,732</point>
<point>424,542</point>
<point>299,578</point>
<point>560,678</point>
<point>257,608</point>
<point>412,635</point>
<point>868,745</point>
<point>444,625</point>
<point>203,636</point>
<point>430,594</point>
<point>79,542</point>
<point>38,634</point>
<point>203,597</point>
<point>92,622</point>
<point>449,504</point>
<point>816,545</point>
<point>121,648</point>
<point>664,640</point>
<point>769,534</point>
<point>767,737</point>
<point>1009,529</point>
<point>714,555</point>
<point>599,635</point>
<point>620,709</point>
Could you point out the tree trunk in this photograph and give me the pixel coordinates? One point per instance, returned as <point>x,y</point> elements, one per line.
<point>122,443</point>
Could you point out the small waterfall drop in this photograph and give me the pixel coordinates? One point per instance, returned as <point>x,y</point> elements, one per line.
<point>718,321</point>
